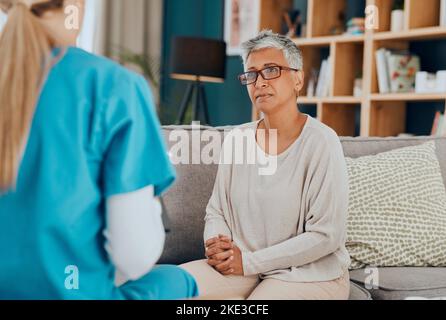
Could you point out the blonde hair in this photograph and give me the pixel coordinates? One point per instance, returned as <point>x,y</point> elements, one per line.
<point>24,48</point>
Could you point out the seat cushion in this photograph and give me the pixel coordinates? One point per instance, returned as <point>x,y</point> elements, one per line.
<point>358,293</point>
<point>402,283</point>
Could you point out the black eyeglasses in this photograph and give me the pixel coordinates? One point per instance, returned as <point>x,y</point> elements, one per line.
<point>269,73</point>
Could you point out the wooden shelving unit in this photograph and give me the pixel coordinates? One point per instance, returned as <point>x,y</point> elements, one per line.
<point>408,97</point>
<point>380,114</point>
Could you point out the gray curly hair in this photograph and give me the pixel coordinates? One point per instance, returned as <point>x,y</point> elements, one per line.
<point>268,39</point>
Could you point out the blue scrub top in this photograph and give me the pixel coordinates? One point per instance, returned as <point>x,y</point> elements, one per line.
<point>95,134</point>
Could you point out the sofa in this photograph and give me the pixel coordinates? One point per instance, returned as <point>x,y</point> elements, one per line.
<point>185,203</point>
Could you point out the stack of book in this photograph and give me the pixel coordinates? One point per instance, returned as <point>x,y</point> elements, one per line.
<point>355,26</point>
<point>396,71</point>
<point>439,127</point>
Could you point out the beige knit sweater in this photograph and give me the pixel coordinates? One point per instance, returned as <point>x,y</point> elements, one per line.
<point>290,225</point>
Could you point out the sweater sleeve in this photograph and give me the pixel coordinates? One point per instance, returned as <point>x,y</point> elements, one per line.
<point>215,221</point>
<point>325,219</point>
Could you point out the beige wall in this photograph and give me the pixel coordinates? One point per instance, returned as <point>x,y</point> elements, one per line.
<point>123,22</point>
<point>133,24</point>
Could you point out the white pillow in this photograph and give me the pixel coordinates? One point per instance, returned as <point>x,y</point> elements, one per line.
<point>397,209</point>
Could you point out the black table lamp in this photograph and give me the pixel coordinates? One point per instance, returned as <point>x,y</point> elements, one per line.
<point>198,60</point>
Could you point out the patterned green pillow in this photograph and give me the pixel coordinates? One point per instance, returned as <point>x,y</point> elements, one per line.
<point>397,209</point>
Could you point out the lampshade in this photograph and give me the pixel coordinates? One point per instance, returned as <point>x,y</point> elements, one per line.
<point>198,59</point>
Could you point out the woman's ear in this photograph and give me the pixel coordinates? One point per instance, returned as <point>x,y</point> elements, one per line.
<point>299,80</point>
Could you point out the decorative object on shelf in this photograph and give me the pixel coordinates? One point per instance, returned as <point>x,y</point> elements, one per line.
<point>430,82</point>
<point>406,135</point>
<point>397,17</point>
<point>425,82</point>
<point>339,28</point>
<point>396,70</point>
<point>198,60</point>
<point>357,88</point>
<point>439,126</point>
<point>443,13</point>
<point>242,22</point>
<point>403,68</point>
<point>441,81</point>
<point>303,32</point>
<point>355,26</point>
<point>292,23</point>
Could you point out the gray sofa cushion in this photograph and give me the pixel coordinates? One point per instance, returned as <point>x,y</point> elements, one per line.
<point>185,204</point>
<point>358,147</point>
<point>358,293</point>
<point>401,283</point>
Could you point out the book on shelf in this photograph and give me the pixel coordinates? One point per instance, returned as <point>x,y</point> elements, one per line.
<point>323,83</point>
<point>443,13</point>
<point>312,83</point>
<point>320,80</point>
<point>396,70</point>
<point>439,126</point>
<point>383,75</point>
<point>326,89</point>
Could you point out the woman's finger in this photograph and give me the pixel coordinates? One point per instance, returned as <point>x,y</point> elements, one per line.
<point>223,255</point>
<point>225,266</point>
<point>224,238</point>
<point>213,262</point>
<point>219,247</point>
<point>225,245</point>
<point>211,241</point>
<point>212,251</point>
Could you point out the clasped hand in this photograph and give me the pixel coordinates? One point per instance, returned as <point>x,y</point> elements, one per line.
<point>224,256</point>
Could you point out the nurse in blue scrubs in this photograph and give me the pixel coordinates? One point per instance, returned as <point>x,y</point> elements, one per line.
<point>82,162</point>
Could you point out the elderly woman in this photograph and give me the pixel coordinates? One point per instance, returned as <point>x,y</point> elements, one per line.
<point>279,236</point>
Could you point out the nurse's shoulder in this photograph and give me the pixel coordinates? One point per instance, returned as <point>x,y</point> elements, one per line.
<point>105,73</point>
